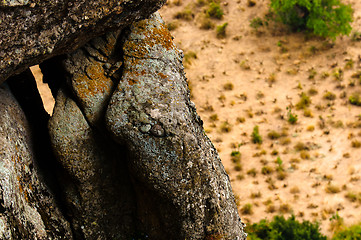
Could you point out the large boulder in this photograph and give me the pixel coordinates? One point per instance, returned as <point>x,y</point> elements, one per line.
<point>28,209</point>
<point>125,111</point>
<point>34,30</point>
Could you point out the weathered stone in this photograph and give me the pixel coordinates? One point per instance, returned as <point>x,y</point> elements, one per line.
<point>175,163</point>
<point>33,30</point>
<point>90,74</point>
<point>28,209</point>
<point>96,185</point>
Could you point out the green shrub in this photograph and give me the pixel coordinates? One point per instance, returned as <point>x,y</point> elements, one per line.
<point>256,23</point>
<point>282,229</point>
<point>247,209</point>
<point>221,30</point>
<point>273,135</point>
<point>326,18</point>
<point>350,233</point>
<point>355,99</point>
<point>236,156</point>
<point>292,118</point>
<point>304,101</point>
<point>256,138</point>
<point>215,11</point>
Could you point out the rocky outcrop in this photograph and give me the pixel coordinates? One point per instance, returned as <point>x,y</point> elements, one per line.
<point>28,209</point>
<point>161,167</point>
<point>170,155</point>
<point>34,30</point>
<point>129,158</point>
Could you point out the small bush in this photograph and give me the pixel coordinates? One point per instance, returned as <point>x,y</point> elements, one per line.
<point>256,195</point>
<point>186,14</point>
<point>266,170</point>
<point>252,172</point>
<point>350,233</point>
<point>221,30</point>
<point>215,11</point>
<point>228,86</point>
<point>307,113</point>
<point>214,117</point>
<point>355,99</point>
<point>332,189</point>
<point>356,144</point>
<point>256,138</point>
<point>226,127</point>
<point>188,57</point>
<point>273,135</point>
<point>282,229</point>
<point>292,118</point>
<point>323,18</point>
<point>256,23</point>
<point>312,91</point>
<point>236,156</point>
<point>353,197</point>
<point>172,25</point>
<point>329,96</point>
<point>304,102</point>
<point>247,209</point>
<point>356,36</point>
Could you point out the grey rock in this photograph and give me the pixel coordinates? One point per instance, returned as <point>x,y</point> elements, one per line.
<point>33,30</point>
<point>97,190</point>
<point>176,164</point>
<point>28,209</point>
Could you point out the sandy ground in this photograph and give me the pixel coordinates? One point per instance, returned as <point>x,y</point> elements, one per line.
<point>251,78</point>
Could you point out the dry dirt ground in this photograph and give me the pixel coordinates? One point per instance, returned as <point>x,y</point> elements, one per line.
<point>254,78</point>
<point>251,77</point>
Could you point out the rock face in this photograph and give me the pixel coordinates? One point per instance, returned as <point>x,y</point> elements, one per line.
<point>34,30</point>
<point>96,186</point>
<point>171,157</point>
<point>27,210</point>
<point>129,158</point>
<point>162,169</point>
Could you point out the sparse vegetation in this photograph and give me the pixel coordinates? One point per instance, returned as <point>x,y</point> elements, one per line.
<point>252,172</point>
<point>256,23</point>
<point>329,96</point>
<point>330,188</point>
<point>214,10</point>
<point>228,86</point>
<point>187,14</point>
<point>295,89</point>
<point>304,101</point>
<point>247,209</point>
<point>292,118</point>
<point>266,170</point>
<point>256,137</point>
<point>355,99</point>
<point>356,144</point>
<point>221,30</point>
<point>226,127</point>
<point>273,135</point>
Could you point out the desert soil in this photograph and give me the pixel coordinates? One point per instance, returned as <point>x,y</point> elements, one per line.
<point>251,77</point>
<point>254,77</point>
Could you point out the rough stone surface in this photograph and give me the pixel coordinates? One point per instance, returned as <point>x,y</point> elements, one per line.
<point>27,208</point>
<point>34,30</point>
<point>173,184</point>
<point>96,186</point>
<point>132,158</point>
<point>174,161</point>
<point>91,73</point>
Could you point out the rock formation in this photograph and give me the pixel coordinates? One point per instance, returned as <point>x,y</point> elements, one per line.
<point>129,156</point>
